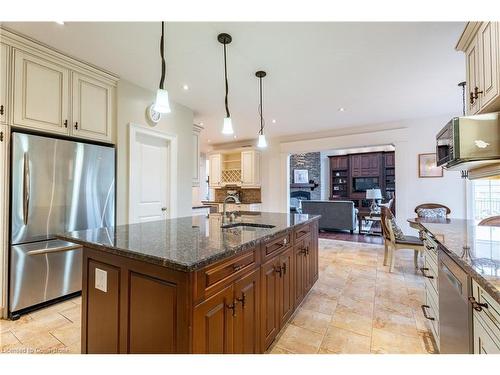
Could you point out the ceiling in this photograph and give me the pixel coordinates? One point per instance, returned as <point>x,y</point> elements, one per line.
<point>378,72</point>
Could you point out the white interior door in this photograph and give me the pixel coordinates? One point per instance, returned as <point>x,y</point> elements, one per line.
<point>149,176</point>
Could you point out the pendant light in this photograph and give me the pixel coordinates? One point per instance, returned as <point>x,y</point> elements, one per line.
<point>227,127</point>
<point>262,143</point>
<point>162,104</point>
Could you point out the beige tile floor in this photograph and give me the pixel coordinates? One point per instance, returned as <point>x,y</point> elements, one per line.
<point>356,306</point>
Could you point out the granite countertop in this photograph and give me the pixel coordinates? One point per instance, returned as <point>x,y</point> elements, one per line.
<point>475,248</point>
<point>187,243</point>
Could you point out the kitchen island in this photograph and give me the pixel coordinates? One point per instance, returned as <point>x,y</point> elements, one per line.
<point>475,250</point>
<point>186,285</point>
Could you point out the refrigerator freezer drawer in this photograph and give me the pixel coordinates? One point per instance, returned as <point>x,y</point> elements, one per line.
<point>43,271</point>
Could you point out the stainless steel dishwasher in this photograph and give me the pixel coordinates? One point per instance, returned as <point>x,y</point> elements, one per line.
<point>455,314</point>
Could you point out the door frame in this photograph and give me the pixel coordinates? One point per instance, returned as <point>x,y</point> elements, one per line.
<point>134,130</point>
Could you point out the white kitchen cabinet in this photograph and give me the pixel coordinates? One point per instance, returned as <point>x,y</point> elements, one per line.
<point>480,42</point>
<point>4,175</point>
<point>250,169</point>
<point>92,108</point>
<point>488,40</point>
<point>486,321</point>
<point>215,170</point>
<point>4,83</point>
<point>41,93</point>
<point>54,93</point>
<point>196,155</point>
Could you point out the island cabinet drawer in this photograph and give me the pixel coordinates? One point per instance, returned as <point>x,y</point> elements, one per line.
<point>301,232</point>
<point>487,309</point>
<point>429,270</point>
<point>275,246</point>
<point>216,276</point>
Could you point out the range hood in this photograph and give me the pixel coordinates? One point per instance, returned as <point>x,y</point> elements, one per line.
<point>491,171</point>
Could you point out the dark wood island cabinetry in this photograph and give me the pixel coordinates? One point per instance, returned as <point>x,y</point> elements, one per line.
<point>187,286</point>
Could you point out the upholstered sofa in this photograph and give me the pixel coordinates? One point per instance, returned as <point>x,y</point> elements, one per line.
<point>335,215</point>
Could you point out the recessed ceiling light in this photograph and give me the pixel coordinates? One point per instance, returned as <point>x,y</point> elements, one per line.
<point>273,121</point>
<point>59,22</point>
<point>341,109</point>
<point>234,137</point>
<point>185,87</point>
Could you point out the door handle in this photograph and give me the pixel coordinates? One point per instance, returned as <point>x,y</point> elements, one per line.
<point>1,110</point>
<point>279,270</point>
<point>164,209</point>
<point>232,307</point>
<point>477,305</point>
<point>54,250</point>
<point>477,92</point>
<point>242,300</point>
<point>26,187</point>
<point>284,268</point>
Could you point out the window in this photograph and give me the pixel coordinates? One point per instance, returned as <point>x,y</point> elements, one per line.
<point>486,198</point>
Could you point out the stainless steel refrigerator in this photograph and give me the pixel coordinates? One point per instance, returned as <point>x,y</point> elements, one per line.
<point>57,186</point>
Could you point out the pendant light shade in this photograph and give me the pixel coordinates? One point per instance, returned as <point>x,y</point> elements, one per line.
<point>262,143</point>
<point>162,104</point>
<point>227,127</point>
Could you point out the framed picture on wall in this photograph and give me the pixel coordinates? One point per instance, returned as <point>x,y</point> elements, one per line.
<point>300,176</point>
<point>427,166</point>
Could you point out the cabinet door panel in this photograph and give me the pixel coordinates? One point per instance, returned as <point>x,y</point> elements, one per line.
<point>269,303</point>
<point>484,342</point>
<point>215,168</point>
<point>213,324</point>
<point>472,56</point>
<point>41,92</point>
<point>103,313</point>
<point>152,316</point>
<point>92,108</point>
<point>488,62</point>
<point>287,290</point>
<point>247,319</point>
<point>4,83</point>
<point>299,272</point>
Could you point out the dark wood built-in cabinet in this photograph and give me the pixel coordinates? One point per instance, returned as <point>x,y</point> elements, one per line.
<point>345,170</point>
<point>236,305</point>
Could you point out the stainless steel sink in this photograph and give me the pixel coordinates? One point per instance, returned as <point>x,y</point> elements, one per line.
<point>251,225</point>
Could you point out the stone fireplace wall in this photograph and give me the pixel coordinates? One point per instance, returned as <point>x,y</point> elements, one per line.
<point>312,162</point>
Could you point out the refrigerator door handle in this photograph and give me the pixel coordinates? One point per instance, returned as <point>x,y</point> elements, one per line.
<point>54,250</point>
<point>26,187</point>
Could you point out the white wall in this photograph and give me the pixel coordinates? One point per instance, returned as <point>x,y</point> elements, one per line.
<point>132,102</point>
<point>410,139</point>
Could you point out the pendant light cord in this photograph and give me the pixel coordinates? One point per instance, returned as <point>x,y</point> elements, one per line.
<point>227,86</point>
<point>162,54</point>
<point>260,108</point>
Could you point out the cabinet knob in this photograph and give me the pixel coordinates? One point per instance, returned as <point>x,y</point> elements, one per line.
<point>65,123</point>
<point>1,109</point>
<point>1,136</point>
<point>471,98</point>
<point>476,305</point>
<point>76,125</point>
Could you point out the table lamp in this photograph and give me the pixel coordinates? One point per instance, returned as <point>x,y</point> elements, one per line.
<point>374,195</point>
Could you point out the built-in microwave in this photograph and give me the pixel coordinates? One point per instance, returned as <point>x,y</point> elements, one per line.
<point>469,141</point>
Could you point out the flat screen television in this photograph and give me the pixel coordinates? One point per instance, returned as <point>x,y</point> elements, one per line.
<point>362,184</point>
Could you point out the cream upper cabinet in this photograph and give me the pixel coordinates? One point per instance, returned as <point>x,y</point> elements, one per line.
<point>4,83</point>
<point>196,155</point>
<point>92,108</point>
<point>41,93</point>
<point>488,40</point>
<point>480,42</point>
<point>250,168</point>
<point>215,170</point>
<point>472,56</point>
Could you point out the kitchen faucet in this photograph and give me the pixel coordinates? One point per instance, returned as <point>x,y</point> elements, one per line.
<point>235,200</point>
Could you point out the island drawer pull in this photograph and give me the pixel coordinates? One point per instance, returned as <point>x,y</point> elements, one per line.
<point>477,305</point>
<point>423,269</point>
<point>424,311</point>
<point>237,267</point>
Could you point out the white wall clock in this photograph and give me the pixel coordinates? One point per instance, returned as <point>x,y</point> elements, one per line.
<point>153,115</point>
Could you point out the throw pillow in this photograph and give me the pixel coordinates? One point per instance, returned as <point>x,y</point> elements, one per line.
<point>432,213</point>
<point>398,233</point>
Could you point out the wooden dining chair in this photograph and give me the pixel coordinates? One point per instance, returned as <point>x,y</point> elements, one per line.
<point>492,221</point>
<point>392,244</point>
